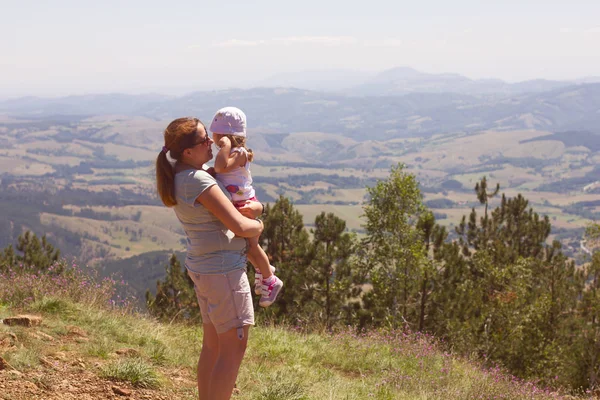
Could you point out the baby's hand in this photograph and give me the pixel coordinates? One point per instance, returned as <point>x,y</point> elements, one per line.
<point>224,142</point>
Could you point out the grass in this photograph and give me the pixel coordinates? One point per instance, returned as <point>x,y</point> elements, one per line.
<point>101,348</point>
<point>285,387</point>
<point>51,305</point>
<point>24,357</point>
<point>281,363</point>
<point>135,371</point>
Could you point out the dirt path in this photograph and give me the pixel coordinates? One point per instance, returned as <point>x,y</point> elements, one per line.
<point>63,381</point>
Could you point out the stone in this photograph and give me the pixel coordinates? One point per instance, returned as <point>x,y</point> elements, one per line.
<point>8,337</point>
<point>45,336</point>
<point>77,331</point>
<point>47,363</point>
<point>121,391</point>
<point>4,364</point>
<point>128,352</point>
<point>6,343</point>
<point>23,320</point>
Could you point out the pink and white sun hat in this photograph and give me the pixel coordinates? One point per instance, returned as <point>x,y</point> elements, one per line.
<point>229,121</point>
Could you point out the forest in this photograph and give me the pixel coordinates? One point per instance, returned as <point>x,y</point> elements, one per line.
<point>498,290</point>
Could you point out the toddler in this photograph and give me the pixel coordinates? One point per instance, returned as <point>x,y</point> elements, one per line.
<point>232,168</point>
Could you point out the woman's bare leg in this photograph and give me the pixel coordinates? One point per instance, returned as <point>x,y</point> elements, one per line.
<point>207,361</point>
<point>225,371</point>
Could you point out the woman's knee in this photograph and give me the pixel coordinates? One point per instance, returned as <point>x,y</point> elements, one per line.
<point>234,341</point>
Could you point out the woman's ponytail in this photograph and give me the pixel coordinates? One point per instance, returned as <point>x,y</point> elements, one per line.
<point>165,180</point>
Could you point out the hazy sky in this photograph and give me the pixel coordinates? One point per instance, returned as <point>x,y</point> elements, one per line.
<point>58,47</point>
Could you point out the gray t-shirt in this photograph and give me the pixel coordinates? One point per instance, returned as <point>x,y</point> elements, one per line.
<point>211,247</point>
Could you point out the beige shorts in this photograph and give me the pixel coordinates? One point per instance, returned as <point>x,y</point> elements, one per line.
<point>225,300</point>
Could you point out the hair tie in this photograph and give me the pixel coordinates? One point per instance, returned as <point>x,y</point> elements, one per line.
<point>164,149</point>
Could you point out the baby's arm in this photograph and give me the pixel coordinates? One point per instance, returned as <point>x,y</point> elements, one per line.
<point>226,160</point>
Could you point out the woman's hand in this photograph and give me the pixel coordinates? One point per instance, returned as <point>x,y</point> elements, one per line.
<point>252,209</point>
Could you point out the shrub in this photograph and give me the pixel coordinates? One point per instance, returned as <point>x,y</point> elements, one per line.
<point>26,286</point>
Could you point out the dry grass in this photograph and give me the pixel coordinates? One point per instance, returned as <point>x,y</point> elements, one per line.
<point>351,214</point>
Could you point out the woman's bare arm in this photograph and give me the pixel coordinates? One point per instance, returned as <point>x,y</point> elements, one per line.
<point>217,203</point>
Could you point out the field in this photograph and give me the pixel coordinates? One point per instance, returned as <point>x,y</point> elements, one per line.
<point>318,171</point>
<point>351,214</point>
<point>125,237</point>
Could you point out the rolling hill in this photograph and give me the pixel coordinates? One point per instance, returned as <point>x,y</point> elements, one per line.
<point>279,110</point>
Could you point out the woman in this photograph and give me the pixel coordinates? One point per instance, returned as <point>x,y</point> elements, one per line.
<point>216,252</point>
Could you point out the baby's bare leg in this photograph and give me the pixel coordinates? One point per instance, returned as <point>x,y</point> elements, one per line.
<point>258,258</point>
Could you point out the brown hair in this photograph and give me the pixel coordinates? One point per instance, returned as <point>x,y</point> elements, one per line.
<point>181,134</point>
<point>240,141</point>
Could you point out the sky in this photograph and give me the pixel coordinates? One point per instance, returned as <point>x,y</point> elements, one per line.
<point>63,47</point>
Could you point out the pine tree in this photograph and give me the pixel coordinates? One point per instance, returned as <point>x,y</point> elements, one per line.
<point>34,254</point>
<point>175,296</point>
<point>433,236</point>
<point>286,243</point>
<point>8,258</point>
<point>331,272</point>
<point>583,350</point>
<point>507,294</point>
<point>393,249</point>
<point>513,231</point>
<point>482,194</point>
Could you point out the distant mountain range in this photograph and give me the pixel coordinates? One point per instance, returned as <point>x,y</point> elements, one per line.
<point>333,80</point>
<point>419,113</point>
<point>403,80</point>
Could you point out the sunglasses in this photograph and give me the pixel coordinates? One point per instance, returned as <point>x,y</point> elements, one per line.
<point>205,139</point>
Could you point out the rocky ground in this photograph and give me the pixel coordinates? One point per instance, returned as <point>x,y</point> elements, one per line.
<point>66,375</point>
